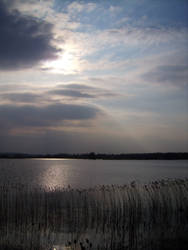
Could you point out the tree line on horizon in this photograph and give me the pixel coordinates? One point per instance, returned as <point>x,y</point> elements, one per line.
<point>102,156</point>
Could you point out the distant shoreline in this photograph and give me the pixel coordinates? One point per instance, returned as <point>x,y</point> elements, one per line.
<point>99,156</point>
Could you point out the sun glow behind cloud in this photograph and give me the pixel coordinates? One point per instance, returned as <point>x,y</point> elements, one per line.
<point>64,64</point>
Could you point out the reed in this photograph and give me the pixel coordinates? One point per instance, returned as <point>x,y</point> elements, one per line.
<point>106,217</point>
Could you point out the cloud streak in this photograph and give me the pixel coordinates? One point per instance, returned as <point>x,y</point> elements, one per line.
<point>20,97</point>
<point>81,91</point>
<point>168,74</point>
<point>48,116</point>
<point>71,93</point>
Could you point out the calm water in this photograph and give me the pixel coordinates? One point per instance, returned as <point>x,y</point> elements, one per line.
<point>87,173</point>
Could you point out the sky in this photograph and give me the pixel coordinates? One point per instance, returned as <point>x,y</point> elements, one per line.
<point>104,76</point>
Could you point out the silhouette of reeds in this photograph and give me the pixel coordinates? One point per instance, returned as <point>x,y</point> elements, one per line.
<point>112,217</point>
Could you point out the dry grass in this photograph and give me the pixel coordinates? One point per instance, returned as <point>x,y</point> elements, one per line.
<point>108,217</point>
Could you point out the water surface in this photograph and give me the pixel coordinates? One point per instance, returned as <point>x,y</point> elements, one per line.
<point>88,173</point>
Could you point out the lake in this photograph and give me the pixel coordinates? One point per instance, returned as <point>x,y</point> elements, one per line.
<point>88,173</point>
<point>132,216</point>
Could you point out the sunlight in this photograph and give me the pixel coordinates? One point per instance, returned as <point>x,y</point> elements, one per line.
<point>66,64</point>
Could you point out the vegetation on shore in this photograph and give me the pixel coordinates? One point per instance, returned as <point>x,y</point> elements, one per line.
<point>100,156</point>
<point>107,217</point>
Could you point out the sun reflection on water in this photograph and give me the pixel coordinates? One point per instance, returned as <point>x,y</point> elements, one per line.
<point>55,176</point>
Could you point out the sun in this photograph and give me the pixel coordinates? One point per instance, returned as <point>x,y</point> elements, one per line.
<point>66,64</point>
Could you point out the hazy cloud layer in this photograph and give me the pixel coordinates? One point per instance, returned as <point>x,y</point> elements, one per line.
<point>75,92</point>
<point>64,141</point>
<point>75,142</point>
<point>169,74</point>
<point>32,116</point>
<point>24,40</point>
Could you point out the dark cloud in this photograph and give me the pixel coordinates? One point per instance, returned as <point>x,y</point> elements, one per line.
<point>21,97</point>
<point>81,91</point>
<point>32,116</point>
<point>171,74</point>
<point>90,89</point>
<point>24,40</point>
<point>72,93</point>
<point>79,86</point>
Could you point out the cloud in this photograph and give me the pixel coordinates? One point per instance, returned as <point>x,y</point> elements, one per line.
<point>71,93</point>
<point>20,97</point>
<point>79,7</point>
<point>136,36</point>
<point>24,40</point>
<point>79,86</point>
<point>168,74</point>
<point>81,91</point>
<point>75,90</point>
<point>48,116</point>
<point>114,50</point>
